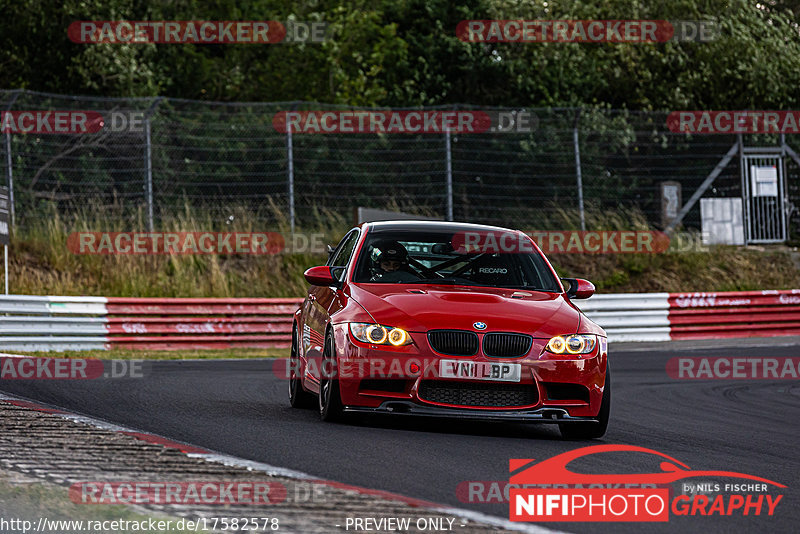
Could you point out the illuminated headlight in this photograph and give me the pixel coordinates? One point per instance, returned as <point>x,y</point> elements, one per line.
<point>573,344</point>
<point>379,334</point>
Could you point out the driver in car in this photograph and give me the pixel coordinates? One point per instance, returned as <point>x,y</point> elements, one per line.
<point>390,259</point>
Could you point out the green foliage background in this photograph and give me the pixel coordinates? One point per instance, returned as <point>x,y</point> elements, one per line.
<point>406,53</point>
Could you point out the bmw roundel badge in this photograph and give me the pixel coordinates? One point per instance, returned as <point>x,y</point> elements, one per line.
<point>479,325</point>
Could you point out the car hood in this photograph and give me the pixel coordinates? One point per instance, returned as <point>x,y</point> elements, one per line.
<point>419,308</point>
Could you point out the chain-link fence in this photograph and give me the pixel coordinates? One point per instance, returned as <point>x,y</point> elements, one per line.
<point>213,157</point>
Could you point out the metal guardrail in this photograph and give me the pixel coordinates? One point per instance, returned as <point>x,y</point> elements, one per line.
<point>666,316</point>
<point>58,323</point>
<point>630,316</point>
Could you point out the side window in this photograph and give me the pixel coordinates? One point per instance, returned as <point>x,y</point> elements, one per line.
<point>337,250</point>
<point>343,253</point>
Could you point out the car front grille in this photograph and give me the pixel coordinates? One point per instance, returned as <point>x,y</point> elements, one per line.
<point>454,342</point>
<point>498,345</point>
<point>469,394</point>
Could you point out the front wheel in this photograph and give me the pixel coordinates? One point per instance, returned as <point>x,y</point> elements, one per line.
<point>591,430</point>
<point>330,398</point>
<point>298,397</point>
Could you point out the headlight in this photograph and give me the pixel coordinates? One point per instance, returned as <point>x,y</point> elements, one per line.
<point>379,334</point>
<point>572,344</point>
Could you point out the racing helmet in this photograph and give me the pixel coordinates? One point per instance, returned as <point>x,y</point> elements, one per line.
<point>389,250</point>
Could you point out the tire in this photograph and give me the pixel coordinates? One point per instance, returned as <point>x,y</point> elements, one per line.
<point>591,430</point>
<point>330,398</point>
<point>298,397</point>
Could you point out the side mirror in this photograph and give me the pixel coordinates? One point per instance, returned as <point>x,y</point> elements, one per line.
<point>579,288</point>
<point>320,276</point>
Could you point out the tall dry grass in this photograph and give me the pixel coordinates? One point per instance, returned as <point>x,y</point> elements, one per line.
<point>41,262</point>
<point>687,265</point>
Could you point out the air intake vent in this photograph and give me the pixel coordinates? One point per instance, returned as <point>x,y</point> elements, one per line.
<point>558,391</point>
<point>454,342</point>
<point>506,345</point>
<point>383,384</point>
<point>468,394</point>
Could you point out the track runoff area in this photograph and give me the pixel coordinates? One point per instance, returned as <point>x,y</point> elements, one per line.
<point>705,445</point>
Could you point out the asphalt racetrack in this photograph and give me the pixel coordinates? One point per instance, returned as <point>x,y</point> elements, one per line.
<point>239,407</point>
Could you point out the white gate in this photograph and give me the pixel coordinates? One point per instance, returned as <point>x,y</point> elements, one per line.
<point>764,196</point>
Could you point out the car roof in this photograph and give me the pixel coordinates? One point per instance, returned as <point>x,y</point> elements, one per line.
<point>441,226</point>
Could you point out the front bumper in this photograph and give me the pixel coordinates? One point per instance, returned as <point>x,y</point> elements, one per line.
<point>358,363</point>
<point>538,415</point>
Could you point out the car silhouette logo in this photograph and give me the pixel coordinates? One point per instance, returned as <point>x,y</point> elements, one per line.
<point>479,325</point>
<point>554,470</point>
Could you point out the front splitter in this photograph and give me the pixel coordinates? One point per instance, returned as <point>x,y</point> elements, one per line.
<point>538,415</point>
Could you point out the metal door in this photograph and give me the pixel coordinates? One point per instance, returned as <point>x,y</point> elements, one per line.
<point>764,198</point>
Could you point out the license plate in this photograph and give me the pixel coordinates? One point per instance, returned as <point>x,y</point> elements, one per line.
<point>504,372</point>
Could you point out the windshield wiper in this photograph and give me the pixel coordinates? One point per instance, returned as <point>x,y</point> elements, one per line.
<point>448,281</point>
<point>530,288</point>
<point>451,282</point>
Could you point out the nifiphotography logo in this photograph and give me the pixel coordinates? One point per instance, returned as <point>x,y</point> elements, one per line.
<point>549,491</point>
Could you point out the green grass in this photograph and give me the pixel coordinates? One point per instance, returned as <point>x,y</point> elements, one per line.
<point>29,501</point>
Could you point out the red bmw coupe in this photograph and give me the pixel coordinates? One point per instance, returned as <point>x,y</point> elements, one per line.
<point>452,320</point>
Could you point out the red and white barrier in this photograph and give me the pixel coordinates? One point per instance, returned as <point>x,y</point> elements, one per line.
<point>735,314</point>
<point>45,323</point>
<point>55,323</point>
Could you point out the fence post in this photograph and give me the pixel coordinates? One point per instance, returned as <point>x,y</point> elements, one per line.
<point>149,173</point>
<point>9,171</point>
<point>290,170</point>
<point>576,143</point>
<point>148,162</point>
<point>10,177</point>
<point>746,193</point>
<point>448,174</point>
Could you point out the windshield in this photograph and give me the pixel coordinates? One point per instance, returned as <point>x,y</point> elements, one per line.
<point>417,257</point>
